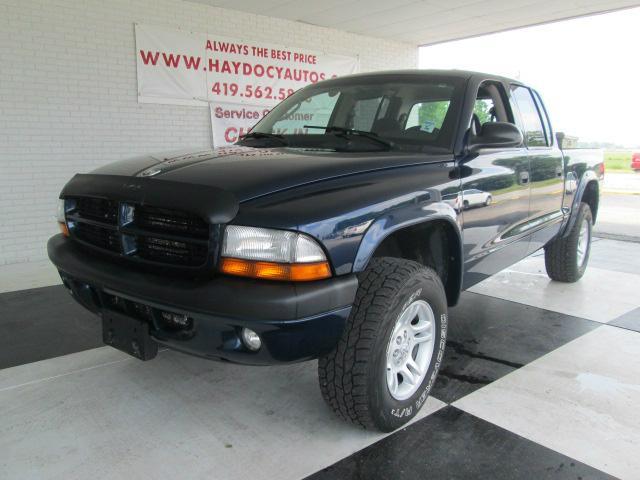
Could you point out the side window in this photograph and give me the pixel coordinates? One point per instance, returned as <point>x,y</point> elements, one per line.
<point>531,121</point>
<point>427,116</point>
<point>484,109</point>
<point>490,105</point>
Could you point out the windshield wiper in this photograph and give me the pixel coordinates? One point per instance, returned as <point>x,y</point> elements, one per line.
<point>359,133</point>
<point>264,135</point>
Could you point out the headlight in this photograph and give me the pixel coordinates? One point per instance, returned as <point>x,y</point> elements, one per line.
<point>60,216</point>
<point>60,211</point>
<point>272,254</point>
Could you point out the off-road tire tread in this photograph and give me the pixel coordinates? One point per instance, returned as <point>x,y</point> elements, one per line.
<point>343,372</point>
<point>560,255</point>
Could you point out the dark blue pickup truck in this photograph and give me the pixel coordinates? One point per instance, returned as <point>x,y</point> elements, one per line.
<point>340,228</point>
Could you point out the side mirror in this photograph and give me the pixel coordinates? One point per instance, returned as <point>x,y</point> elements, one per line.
<point>560,136</point>
<point>496,135</point>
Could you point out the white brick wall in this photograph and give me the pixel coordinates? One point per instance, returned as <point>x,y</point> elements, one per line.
<point>68,100</point>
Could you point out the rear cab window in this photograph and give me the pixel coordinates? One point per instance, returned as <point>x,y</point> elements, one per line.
<point>427,116</point>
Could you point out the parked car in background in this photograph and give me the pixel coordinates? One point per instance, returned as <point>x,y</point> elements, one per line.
<point>453,199</point>
<point>468,199</point>
<point>476,198</point>
<point>635,161</point>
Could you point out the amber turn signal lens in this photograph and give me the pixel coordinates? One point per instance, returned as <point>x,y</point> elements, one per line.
<point>64,229</point>
<point>295,272</point>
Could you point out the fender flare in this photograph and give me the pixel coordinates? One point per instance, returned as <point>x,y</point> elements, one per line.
<point>587,177</point>
<point>396,220</point>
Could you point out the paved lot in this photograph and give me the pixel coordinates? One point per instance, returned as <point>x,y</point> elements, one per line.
<point>619,215</point>
<point>622,183</point>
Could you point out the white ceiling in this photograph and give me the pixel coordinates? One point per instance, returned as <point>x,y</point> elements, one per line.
<point>423,22</point>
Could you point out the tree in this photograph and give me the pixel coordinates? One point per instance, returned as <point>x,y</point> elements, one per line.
<point>482,110</point>
<point>433,112</point>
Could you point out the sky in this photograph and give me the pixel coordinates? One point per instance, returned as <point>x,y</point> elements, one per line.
<point>587,70</point>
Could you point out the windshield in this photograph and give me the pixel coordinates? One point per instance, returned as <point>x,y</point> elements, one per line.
<point>368,113</point>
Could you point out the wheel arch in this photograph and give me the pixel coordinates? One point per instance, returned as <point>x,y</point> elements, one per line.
<point>591,196</point>
<point>588,191</point>
<point>435,241</point>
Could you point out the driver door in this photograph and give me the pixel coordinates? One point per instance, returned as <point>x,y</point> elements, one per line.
<point>491,228</point>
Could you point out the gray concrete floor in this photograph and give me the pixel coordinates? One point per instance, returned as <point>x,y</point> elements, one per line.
<point>615,182</point>
<point>619,215</point>
<point>619,212</point>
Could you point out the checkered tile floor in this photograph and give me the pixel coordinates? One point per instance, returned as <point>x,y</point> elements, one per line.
<point>540,380</point>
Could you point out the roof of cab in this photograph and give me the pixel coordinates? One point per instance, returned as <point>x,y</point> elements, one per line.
<point>463,74</point>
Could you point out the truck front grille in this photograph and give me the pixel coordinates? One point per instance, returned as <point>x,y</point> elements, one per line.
<point>98,209</point>
<point>171,251</point>
<point>164,220</point>
<point>141,233</point>
<point>99,237</point>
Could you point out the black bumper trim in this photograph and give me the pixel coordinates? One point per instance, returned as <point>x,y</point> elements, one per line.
<point>222,296</point>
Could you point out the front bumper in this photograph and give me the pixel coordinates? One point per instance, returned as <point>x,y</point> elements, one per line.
<point>296,321</point>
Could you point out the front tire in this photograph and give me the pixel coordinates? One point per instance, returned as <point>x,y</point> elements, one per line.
<point>566,258</point>
<point>388,357</point>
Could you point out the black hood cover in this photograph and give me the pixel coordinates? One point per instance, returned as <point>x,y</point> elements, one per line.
<point>247,173</point>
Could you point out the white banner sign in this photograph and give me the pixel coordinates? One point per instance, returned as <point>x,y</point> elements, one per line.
<point>187,68</point>
<point>231,120</point>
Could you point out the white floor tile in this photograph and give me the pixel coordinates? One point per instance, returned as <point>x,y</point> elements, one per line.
<point>600,295</point>
<point>48,370</point>
<point>99,414</point>
<point>580,400</point>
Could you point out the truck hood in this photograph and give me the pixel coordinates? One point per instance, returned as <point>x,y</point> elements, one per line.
<point>248,173</point>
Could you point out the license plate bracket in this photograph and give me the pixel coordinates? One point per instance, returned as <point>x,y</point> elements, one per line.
<point>129,335</point>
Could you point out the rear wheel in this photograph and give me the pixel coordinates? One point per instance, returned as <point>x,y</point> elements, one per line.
<point>566,258</point>
<point>386,362</point>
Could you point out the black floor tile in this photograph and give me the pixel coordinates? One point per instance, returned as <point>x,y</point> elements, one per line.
<point>630,320</point>
<point>42,323</point>
<point>452,444</point>
<point>490,337</point>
